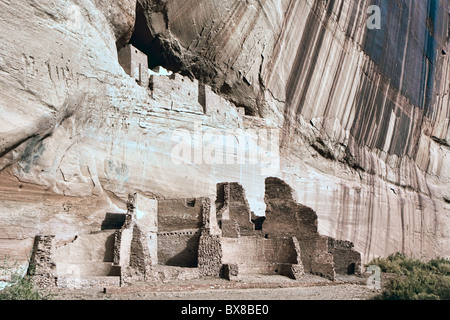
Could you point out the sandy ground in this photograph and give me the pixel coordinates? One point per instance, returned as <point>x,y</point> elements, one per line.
<point>248,288</point>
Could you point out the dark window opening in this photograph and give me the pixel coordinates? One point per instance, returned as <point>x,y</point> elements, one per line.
<point>190,203</point>
<point>140,73</point>
<point>351,269</point>
<point>258,222</point>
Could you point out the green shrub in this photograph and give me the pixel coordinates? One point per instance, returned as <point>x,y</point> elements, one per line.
<point>21,287</point>
<point>416,279</point>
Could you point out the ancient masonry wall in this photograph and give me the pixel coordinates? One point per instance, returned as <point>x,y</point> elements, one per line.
<point>233,210</point>
<point>179,214</point>
<point>179,248</point>
<point>180,222</point>
<point>135,64</point>
<point>288,243</point>
<point>136,248</point>
<point>209,254</point>
<point>345,259</point>
<point>320,255</point>
<point>210,245</point>
<point>257,255</point>
<point>43,266</point>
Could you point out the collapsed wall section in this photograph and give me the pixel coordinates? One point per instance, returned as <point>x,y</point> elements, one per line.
<point>233,210</point>
<point>345,259</point>
<point>320,255</point>
<point>136,246</point>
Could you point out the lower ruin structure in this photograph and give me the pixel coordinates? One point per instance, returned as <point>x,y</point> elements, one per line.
<point>204,111</point>
<point>168,239</point>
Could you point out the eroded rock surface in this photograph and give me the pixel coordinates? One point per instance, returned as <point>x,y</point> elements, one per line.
<point>361,116</point>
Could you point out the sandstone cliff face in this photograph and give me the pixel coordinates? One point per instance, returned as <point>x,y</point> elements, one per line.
<point>363,115</point>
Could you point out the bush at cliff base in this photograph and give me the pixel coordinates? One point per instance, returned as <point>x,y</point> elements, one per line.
<point>415,279</point>
<point>19,285</point>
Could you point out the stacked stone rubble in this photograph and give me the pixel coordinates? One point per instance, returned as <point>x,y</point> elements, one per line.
<point>210,246</point>
<point>42,266</point>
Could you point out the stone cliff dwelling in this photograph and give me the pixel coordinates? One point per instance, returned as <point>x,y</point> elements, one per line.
<point>175,92</point>
<point>88,183</point>
<point>135,64</point>
<point>163,239</point>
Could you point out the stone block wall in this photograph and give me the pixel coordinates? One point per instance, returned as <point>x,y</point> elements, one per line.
<point>179,248</point>
<point>221,111</point>
<point>179,214</point>
<point>210,254</point>
<point>320,255</point>
<point>136,244</point>
<point>180,223</point>
<point>230,228</point>
<point>43,266</point>
<point>210,243</point>
<point>284,216</point>
<point>230,271</point>
<point>233,209</point>
<point>321,262</point>
<point>256,250</point>
<point>346,260</point>
<point>135,64</point>
<point>177,93</point>
<point>257,255</point>
<point>140,256</point>
<point>122,246</point>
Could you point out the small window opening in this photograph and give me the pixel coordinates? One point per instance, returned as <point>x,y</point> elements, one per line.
<point>351,269</point>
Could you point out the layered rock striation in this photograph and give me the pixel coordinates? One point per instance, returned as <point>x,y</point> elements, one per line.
<point>355,120</point>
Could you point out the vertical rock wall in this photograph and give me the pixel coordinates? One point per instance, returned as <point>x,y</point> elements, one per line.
<point>362,115</point>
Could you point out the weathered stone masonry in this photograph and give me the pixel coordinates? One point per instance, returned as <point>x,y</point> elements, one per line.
<point>320,254</point>
<point>189,238</point>
<point>43,266</point>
